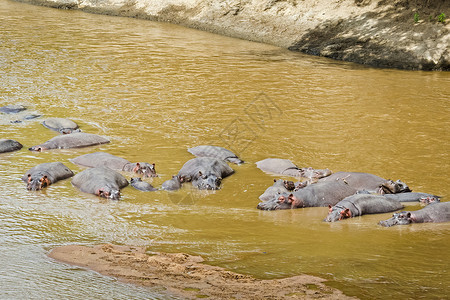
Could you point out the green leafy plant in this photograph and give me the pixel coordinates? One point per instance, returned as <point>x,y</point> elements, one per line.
<point>416,17</point>
<point>441,18</point>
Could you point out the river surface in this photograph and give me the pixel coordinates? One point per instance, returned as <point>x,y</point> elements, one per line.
<point>157,89</point>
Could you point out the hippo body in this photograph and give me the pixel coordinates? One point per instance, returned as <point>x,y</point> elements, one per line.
<point>60,125</point>
<point>361,204</point>
<point>173,184</point>
<point>205,172</point>
<point>288,168</point>
<point>100,181</point>
<point>138,184</point>
<point>12,109</point>
<point>45,174</point>
<point>103,159</point>
<point>433,213</point>
<point>74,140</point>
<point>314,195</point>
<point>411,197</point>
<point>215,152</point>
<point>7,145</point>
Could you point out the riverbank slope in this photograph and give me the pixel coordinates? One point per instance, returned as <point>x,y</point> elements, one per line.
<point>404,34</point>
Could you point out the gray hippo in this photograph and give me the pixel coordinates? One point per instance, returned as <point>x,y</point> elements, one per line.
<point>12,109</point>
<point>9,145</point>
<point>103,159</point>
<point>74,140</point>
<point>413,197</point>
<point>317,194</point>
<point>100,181</point>
<point>288,168</point>
<point>138,184</point>
<point>433,213</point>
<point>361,204</point>
<point>216,152</point>
<point>46,174</point>
<point>205,173</point>
<point>61,125</point>
<point>369,182</point>
<point>173,184</point>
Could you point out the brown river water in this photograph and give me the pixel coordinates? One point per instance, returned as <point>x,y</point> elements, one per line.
<point>157,89</point>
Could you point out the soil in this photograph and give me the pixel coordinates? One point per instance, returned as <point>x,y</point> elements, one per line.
<point>186,276</point>
<point>404,34</point>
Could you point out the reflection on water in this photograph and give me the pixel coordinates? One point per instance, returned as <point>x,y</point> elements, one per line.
<point>157,89</point>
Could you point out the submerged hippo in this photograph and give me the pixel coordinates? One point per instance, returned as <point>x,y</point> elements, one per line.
<point>45,174</point>
<point>173,184</point>
<point>9,145</point>
<point>288,168</point>
<point>61,125</point>
<point>433,213</point>
<point>361,204</point>
<point>317,194</point>
<point>103,159</point>
<point>74,140</point>
<point>100,181</point>
<point>216,152</point>
<point>413,197</point>
<point>205,173</point>
<point>138,184</point>
<point>12,109</point>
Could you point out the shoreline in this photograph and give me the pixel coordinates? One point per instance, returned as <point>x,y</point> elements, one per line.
<point>186,276</point>
<point>383,34</point>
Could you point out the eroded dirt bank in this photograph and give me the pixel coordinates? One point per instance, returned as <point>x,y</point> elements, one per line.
<point>374,32</point>
<point>183,275</point>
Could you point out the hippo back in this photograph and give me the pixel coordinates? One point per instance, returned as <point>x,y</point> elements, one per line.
<point>357,180</point>
<point>205,165</point>
<point>216,152</point>
<point>90,180</point>
<point>100,159</point>
<point>53,170</point>
<point>9,145</point>
<point>74,140</point>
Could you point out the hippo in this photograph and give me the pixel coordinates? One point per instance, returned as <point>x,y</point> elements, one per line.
<point>46,174</point>
<point>433,213</point>
<point>9,145</point>
<point>361,204</point>
<point>173,184</point>
<point>100,181</point>
<point>288,168</point>
<point>138,184</point>
<point>314,195</point>
<point>205,173</point>
<point>61,125</point>
<point>74,140</point>
<point>99,159</point>
<point>368,182</point>
<point>12,109</point>
<point>216,152</point>
<point>413,197</point>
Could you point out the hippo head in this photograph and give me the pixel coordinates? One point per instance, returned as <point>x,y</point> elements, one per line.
<point>313,173</point>
<point>37,148</point>
<point>109,193</point>
<point>401,218</point>
<point>68,130</point>
<point>394,187</point>
<point>145,169</point>
<point>281,201</point>
<point>429,200</point>
<point>36,183</point>
<point>337,213</point>
<point>289,185</point>
<point>207,181</point>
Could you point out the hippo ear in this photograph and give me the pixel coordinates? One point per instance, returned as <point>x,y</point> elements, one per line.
<point>29,178</point>
<point>330,208</point>
<point>153,164</point>
<point>274,180</point>
<point>408,215</point>
<point>200,173</point>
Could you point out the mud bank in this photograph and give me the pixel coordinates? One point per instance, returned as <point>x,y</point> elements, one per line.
<point>183,275</point>
<point>377,33</point>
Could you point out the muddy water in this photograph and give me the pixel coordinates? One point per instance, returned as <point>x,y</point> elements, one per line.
<point>157,89</point>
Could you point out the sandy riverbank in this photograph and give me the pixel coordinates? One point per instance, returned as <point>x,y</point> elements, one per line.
<point>185,276</point>
<point>373,32</point>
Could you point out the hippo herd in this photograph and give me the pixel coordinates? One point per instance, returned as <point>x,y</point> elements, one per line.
<point>346,194</point>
